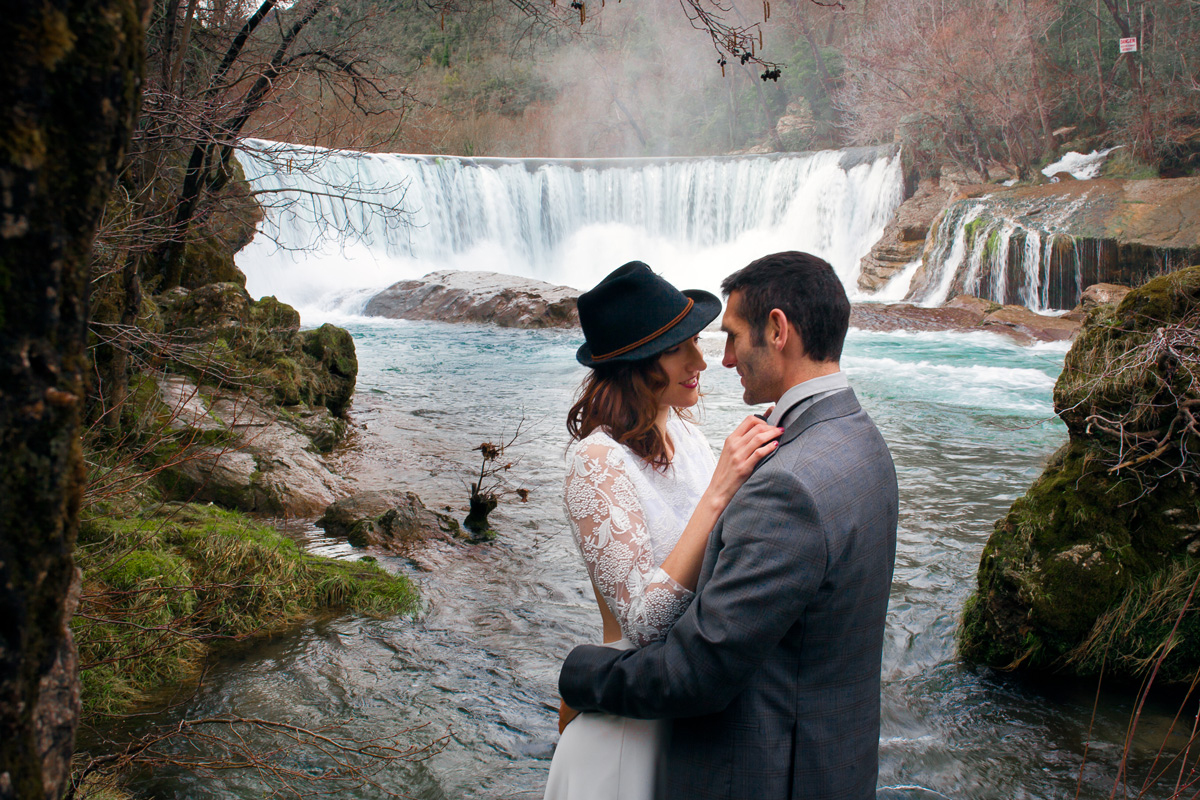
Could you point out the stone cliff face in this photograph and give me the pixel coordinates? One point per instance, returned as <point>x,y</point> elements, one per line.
<point>1094,565</point>
<point>903,239</point>
<point>504,300</point>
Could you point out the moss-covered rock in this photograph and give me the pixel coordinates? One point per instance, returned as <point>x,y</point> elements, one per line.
<point>219,306</point>
<point>1093,565</point>
<point>1109,372</point>
<point>333,349</point>
<point>1073,547</point>
<point>227,224</point>
<point>224,338</point>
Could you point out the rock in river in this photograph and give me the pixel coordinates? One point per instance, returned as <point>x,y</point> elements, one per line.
<point>393,520</point>
<point>505,300</point>
<point>1091,570</point>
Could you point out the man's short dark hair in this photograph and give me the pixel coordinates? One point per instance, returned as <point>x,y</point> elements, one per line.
<point>808,292</point>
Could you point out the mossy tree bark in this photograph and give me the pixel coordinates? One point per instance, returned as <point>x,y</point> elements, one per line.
<point>66,108</point>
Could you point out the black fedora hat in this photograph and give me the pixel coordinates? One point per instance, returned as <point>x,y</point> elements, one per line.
<point>634,314</point>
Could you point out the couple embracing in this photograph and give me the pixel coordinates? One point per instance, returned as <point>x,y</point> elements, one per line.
<point>743,598</point>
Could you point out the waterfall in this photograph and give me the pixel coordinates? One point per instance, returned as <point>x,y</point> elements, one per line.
<point>341,225</point>
<point>1039,251</point>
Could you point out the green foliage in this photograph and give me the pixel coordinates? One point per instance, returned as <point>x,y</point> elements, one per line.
<point>160,587</point>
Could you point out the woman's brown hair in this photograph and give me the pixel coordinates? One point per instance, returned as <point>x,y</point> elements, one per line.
<point>623,400</point>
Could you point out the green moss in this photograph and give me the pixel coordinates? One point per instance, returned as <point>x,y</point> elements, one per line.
<point>55,38</point>
<point>208,259</point>
<point>239,343</point>
<point>270,313</point>
<point>972,230</point>
<point>1122,164</point>
<point>285,378</point>
<point>992,245</point>
<point>160,587</point>
<point>1067,551</point>
<point>333,348</point>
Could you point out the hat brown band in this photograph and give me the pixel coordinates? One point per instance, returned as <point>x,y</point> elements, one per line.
<point>648,337</point>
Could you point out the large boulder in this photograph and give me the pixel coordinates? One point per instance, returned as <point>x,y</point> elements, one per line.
<point>1102,294</point>
<point>504,300</point>
<point>1094,565</point>
<point>227,449</point>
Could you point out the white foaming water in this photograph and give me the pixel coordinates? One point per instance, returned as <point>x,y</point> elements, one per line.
<point>1080,166</point>
<point>982,371</point>
<point>978,386</point>
<point>328,241</point>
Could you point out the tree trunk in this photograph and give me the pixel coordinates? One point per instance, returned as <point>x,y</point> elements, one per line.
<point>67,101</point>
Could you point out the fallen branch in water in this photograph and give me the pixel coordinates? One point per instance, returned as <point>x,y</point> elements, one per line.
<point>295,762</point>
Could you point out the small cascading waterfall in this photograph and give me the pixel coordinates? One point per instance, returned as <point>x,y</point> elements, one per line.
<point>1030,251</point>
<point>994,251</point>
<point>341,225</point>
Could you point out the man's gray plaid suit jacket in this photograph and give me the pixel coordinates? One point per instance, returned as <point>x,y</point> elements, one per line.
<point>772,675</point>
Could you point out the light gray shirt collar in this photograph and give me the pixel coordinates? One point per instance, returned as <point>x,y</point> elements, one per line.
<point>798,398</point>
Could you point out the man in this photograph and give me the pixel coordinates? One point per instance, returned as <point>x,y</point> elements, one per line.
<point>772,675</point>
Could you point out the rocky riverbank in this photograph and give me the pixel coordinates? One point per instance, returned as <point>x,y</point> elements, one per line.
<point>234,409</point>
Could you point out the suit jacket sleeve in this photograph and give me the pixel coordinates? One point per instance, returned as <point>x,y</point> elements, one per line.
<point>772,561</point>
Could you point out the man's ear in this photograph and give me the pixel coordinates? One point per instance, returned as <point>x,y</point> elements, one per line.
<point>777,329</point>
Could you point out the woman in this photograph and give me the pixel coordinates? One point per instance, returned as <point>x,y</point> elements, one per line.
<point>642,493</point>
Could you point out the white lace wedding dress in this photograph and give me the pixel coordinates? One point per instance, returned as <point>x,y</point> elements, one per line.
<point>626,517</point>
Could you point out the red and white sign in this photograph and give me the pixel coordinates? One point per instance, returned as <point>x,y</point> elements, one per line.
<point>1129,45</point>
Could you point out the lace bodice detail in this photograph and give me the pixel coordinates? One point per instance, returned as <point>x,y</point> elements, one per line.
<point>627,516</point>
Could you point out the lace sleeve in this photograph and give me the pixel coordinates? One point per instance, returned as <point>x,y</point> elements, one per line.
<point>610,529</point>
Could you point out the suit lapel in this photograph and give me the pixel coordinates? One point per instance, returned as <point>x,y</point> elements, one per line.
<point>841,404</point>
